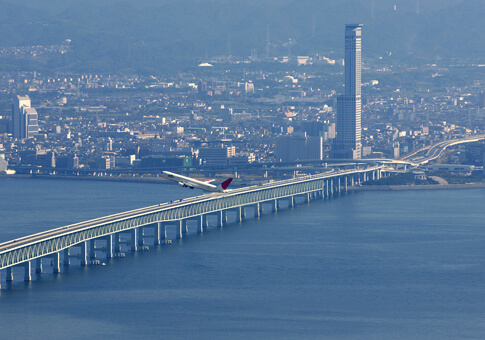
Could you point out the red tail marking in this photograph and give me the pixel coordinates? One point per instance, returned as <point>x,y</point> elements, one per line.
<point>226,183</point>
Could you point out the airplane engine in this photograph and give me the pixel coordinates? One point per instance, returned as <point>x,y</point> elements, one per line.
<point>182,184</point>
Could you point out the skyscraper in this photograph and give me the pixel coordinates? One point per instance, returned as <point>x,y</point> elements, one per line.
<point>20,102</point>
<point>347,143</point>
<point>24,118</point>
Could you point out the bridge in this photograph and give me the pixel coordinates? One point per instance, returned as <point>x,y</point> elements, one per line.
<point>110,234</point>
<point>432,152</point>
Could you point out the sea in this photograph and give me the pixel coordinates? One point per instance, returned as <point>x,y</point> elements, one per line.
<point>366,265</point>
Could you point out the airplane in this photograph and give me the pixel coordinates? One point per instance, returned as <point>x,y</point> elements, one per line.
<point>191,183</point>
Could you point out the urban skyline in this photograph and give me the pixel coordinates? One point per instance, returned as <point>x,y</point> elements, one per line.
<point>328,118</point>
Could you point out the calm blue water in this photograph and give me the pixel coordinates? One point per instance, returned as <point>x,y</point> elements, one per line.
<point>373,265</point>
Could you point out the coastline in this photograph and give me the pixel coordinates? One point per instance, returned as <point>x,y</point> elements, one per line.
<point>156,180</point>
<point>416,187</point>
<point>126,179</point>
<point>159,180</point>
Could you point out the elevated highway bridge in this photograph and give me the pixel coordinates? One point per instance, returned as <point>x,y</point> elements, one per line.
<point>82,240</point>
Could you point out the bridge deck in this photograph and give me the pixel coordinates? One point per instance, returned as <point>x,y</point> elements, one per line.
<point>53,241</point>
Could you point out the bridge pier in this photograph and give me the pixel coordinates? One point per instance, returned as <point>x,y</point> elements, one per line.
<point>200,224</point>
<point>9,277</point>
<point>134,239</point>
<point>66,261</point>
<point>178,230</point>
<point>116,238</point>
<point>220,221</point>
<point>156,233</point>
<point>38,266</point>
<point>84,253</point>
<point>163,230</point>
<point>291,202</point>
<point>243,213</point>
<point>185,227</point>
<point>274,206</point>
<point>56,263</point>
<point>27,271</point>
<point>258,209</point>
<point>92,249</point>
<point>141,233</point>
<point>109,246</point>
<point>239,214</point>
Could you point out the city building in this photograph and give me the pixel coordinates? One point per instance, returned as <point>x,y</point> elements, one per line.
<point>159,162</point>
<point>216,156</point>
<point>3,164</point>
<point>299,147</point>
<point>67,162</point>
<point>24,118</point>
<point>474,153</point>
<point>38,157</point>
<point>291,148</point>
<point>347,143</point>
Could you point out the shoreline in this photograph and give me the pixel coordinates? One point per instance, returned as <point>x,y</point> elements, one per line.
<point>159,180</point>
<point>417,187</point>
<point>156,180</point>
<point>150,180</point>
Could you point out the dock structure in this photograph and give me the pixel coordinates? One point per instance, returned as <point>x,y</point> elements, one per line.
<point>109,234</point>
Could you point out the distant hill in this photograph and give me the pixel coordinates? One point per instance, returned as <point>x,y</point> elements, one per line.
<point>150,36</point>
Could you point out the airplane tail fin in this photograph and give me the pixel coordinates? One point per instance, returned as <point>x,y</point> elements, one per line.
<point>226,183</point>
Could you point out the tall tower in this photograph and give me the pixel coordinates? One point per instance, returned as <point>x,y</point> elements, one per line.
<point>24,118</point>
<point>20,102</point>
<point>348,140</point>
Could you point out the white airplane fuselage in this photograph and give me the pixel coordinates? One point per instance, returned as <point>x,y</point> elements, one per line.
<point>191,183</point>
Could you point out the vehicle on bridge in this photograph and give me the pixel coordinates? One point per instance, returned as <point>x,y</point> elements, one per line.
<point>191,183</point>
